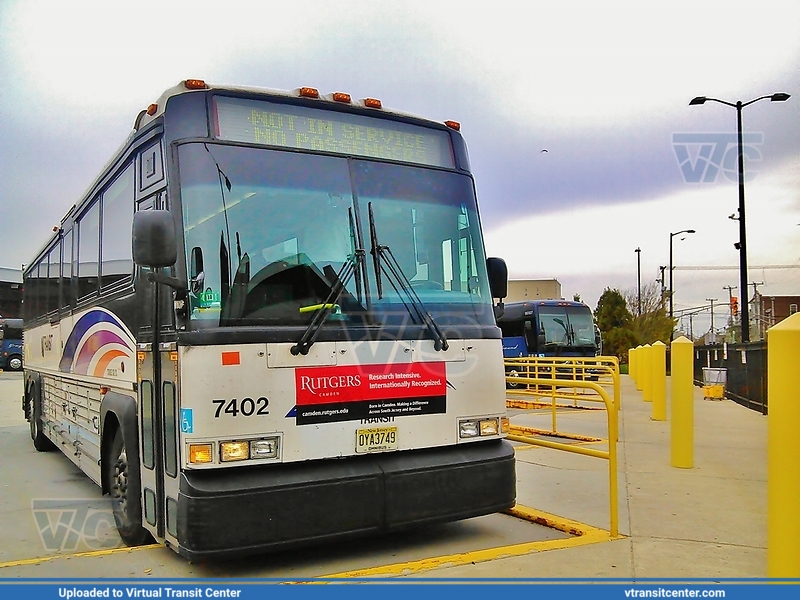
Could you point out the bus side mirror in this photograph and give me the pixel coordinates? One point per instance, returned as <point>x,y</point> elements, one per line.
<point>154,240</point>
<point>197,275</point>
<point>498,277</point>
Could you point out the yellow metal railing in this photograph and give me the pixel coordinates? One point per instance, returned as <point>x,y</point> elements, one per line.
<point>518,434</point>
<point>603,370</point>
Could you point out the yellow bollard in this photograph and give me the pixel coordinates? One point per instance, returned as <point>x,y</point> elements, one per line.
<point>647,373</point>
<point>783,451</point>
<point>632,364</point>
<point>682,404</point>
<point>639,357</point>
<point>658,381</point>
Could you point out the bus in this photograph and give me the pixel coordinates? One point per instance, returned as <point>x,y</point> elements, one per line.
<point>549,328</point>
<point>269,322</point>
<point>10,344</point>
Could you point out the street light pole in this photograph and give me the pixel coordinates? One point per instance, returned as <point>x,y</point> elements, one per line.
<point>639,276</point>
<point>672,235</point>
<point>779,97</point>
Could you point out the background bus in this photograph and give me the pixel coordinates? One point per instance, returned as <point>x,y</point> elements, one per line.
<point>548,328</point>
<point>11,344</point>
<point>300,343</point>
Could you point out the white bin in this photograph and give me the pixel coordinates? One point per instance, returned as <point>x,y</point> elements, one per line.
<point>712,376</point>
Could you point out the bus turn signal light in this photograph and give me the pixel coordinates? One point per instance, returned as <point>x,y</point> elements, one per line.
<point>200,454</point>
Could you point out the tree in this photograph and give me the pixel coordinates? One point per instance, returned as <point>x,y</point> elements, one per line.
<point>615,323</point>
<point>652,324</point>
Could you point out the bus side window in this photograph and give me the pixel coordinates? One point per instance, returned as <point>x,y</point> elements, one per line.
<point>117,257</point>
<point>66,270</point>
<point>530,337</point>
<point>88,250</point>
<point>53,277</point>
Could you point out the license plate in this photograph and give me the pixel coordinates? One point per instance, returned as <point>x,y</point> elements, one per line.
<point>376,439</point>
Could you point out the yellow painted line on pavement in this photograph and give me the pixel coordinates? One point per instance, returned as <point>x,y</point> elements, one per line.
<point>582,535</point>
<point>44,559</point>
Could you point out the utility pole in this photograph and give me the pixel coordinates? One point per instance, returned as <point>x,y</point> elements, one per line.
<point>757,308</point>
<point>713,335</point>
<point>663,286</point>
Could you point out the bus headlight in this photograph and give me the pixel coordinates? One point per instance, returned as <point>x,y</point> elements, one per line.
<point>266,448</point>
<point>236,450</point>
<point>489,427</point>
<point>468,428</point>
<point>471,428</point>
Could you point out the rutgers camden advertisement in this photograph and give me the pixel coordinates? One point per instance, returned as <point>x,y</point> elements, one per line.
<point>345,393</point>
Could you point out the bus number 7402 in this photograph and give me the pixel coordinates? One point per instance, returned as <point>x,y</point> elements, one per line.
<point>247,407</point>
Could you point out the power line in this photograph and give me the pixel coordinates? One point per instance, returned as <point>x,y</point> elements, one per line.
<point>733,268</point>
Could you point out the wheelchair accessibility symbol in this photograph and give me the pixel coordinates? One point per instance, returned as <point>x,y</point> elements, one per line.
<point>187,422</point>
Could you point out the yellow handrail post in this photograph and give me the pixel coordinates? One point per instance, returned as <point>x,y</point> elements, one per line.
<point>658,371</point>
<point>682,398</point>
<point>647,373</point>
<point>783,451</point>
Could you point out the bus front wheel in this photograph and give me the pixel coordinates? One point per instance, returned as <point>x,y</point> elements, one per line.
<point>512,373</point>
<point>40,441</point>
<point>122,492</point>
<point>15,362</point>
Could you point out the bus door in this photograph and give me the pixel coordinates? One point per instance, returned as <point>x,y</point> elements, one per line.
<point>158,407</point>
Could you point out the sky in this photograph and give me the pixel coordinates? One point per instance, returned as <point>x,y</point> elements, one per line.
<point>576,115</point>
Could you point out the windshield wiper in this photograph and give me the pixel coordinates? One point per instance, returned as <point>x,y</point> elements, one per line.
<point>343,277</point>
<point>386,263</point>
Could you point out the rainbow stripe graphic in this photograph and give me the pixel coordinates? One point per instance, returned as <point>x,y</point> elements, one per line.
<point>97,338</point>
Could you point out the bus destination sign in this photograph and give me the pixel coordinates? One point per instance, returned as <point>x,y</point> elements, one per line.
<point>287,126</point>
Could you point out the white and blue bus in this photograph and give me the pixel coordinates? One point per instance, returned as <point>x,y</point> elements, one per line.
<point>269,322</point>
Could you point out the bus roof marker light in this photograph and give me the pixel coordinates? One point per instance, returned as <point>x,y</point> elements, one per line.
<point>342,97</point>
<point>308,92</point>
<point>453,125</point>
<point>151,110</point>
<point>373,103</point>
<point>195,84</point>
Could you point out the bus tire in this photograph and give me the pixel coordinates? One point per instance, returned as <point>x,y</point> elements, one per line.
<point>40,441</point>
<point>512,373</point>
<point>129,525</point>
<point>14,362</point>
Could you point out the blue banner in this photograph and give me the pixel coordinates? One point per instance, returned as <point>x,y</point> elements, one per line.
<point>394,589</point>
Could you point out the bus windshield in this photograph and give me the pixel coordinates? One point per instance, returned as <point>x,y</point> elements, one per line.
<point>567,325</point>
<point>275,229</point>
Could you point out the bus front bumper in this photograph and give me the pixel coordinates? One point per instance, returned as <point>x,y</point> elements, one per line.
<point>232,512</point>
